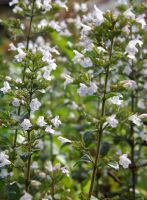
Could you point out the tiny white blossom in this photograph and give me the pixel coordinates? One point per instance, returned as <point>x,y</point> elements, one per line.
<point>26,124</point>
<point>130,84</point>
<point>13,2</point>
<point>98,15</point>
<point>68,80</point>
<point>21,55</point>
<point>64,140</point>
<point>83,90</point>
<point>142,116</point>
<point>4,159</point>
<point>116,100</point>
<point>92,89</point>
<point>40,121</point>
<point>131,48</point>
<point>16,102</point>
<point>141,19</point>
<point>135,119</point>
<point>6,87</point>
<point>124,161</point>
<point>35,105</point>
<point>49,130</point>
<point>26,196</point>
<point>56,122</point>
<point>112,121</point>
<point>129,14</point>
<point>86,62</point>
<point>46,75</point>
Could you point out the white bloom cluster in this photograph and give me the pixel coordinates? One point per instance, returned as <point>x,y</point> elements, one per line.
<point>136,119</point>
<point>112,121</point>
<point>4,159</point>
<point>130,84</point>
<point>80,7</point>
<point>21,54</point>
<point>6,87</point>
<point>83,61</point>
<point>124,161</point>
<point>116,100</point>
<point>26,124</point>
<point>40,121</point>
<point>57,167</point>
<point>68,80</point>
<point>35,105</point>
<point>85,90</point>
<point>26,196</point>
<point>131,48</point>
<point>16,102</point>
<point>63,140</point>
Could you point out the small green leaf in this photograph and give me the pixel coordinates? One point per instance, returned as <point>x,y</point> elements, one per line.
<point>114,164</point>
<point>85,158</point>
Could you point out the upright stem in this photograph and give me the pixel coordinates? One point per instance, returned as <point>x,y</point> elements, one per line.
<point>28,171</point>
<point>27,182</point>
<point>133,170</point>
<point>100,127</point>
<point>24,69</point>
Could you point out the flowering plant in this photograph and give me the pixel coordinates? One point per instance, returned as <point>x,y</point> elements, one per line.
<point>73,118</point>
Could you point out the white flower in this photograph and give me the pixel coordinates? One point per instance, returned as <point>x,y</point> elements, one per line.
<point>46,75</point>
<point>83,90</point>
<point>80,59</point>
<point>124,161</point>
<point>116,100</point>
<point>26,196</point>
<point>141,19</point>
<point>62,4</point>
<point>16,102</point>
<point>68,80</point>
<point>80,7</point>
<point>131,48</point>
<point>6,87</point>
<point>142,116</point>
<point>35,105</point>
<point>34,165</point>
<point>98,16</point>
<point>26,124</point>
<point>21,55</point>
<point>4,173</point>
<point>64,140</point>
<point>130,84</point>
<point>13,2</point>
<point>143,135</point>
<point>56,121</point>
<point>40,121</point>
<point>47,5</point>
<point>112,121</point>
<point>129,14</point>
<point>65,171</point>
<point>49,130</point>
<point>12,47</point>
<point>92,89</point>
<point>86,62</point>
<point>77,58</point>
<point>135,119</point>
<point>4,159</point>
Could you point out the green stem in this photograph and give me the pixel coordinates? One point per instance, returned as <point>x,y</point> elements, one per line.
<point>100,128</point>
<point>24,69</point>
<point>28,173</point>
<point>133,170</point>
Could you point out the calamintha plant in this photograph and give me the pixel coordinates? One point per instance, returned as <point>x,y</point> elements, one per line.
<point>84,137</point>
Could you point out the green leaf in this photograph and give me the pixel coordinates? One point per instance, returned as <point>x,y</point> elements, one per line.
<point>113,164</point>
<point>25,156</point>
<point>85,158</point>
